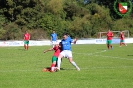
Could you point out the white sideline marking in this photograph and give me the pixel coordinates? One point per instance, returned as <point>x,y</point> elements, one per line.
<point>94,54</point>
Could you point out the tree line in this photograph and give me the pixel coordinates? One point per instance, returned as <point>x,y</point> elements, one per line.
<point>78,18</point>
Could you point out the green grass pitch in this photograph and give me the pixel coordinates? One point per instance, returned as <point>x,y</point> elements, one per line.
<point>100,68</point>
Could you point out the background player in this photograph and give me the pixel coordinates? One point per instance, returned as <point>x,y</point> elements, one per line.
<point>57,49</point>
<point>66,51</point>
<point>26,40</point>
<point>122,39</point>
<point>109,39</point>
<point>53,38</point>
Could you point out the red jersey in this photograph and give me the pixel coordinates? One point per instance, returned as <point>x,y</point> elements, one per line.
<point>26,36</point>
<point>109,35</point>
<point>57,51</point>
<point>122,36</point>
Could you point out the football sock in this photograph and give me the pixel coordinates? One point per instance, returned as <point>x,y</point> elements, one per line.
<point>74,64</point>
<point>24,46</point>
<point>52,65</point>
<point>58,63</point>
<point>27,47</point>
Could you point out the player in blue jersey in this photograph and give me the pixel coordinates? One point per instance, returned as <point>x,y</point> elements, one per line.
<point>53,38</point>
<point>66,51</point>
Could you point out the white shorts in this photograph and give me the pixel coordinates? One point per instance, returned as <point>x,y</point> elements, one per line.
<point>66,53</point>
<point>54,42</point>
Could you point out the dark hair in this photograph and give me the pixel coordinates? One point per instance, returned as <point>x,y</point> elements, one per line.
<point>65,34</point>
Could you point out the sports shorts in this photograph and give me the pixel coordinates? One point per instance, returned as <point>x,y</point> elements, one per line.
<point>121,40</point>
<point>66,53</point>
<point>54,58</point>
<point>54,42</point>
<point>26,42</point>
<point>109,41</point>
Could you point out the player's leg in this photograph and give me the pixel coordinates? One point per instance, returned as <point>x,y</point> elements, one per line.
<point>69,55</point>
<point>27,45</point>
<point>54,59</point>
<point>120,43</point>
<point>62,54</point>
<point>53,43</point>
<point>123,43</point>
<point>108,44</point>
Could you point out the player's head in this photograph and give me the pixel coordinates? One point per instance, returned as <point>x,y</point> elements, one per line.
<point>122,32</point>
<point>65,35</point>
<point>56,44</point>
<point>26,31</point>
<point>53,31</point>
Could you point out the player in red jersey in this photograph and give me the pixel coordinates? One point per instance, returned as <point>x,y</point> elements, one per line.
<point>57,49</point>
<point>26,40</point>
<point>109,39</point>
<point>122,39</point>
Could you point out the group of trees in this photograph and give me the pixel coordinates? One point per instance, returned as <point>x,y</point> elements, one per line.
<point>76,17</point>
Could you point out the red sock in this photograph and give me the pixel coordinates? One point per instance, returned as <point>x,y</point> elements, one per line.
<point>52,65</point>
<point>24,46</point>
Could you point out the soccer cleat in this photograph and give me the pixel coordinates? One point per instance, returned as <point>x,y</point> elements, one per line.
<point>112,47</point>
<point>58,69</point>
<point>78,69</point>
<point>53,69</point>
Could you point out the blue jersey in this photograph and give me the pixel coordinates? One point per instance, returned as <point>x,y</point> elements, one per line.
<point>66,43</point>
<point>54,36</point>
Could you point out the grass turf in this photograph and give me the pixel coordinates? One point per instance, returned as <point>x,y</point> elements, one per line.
<point>100,68</point>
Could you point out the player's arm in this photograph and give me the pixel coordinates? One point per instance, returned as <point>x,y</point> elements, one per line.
<point>29,37</point>
<point>74,40</point>
<point>112,35</point>
<point>23,38</point>
<point>48,50</point>
<point>51,37</point>
<point>56,38</point>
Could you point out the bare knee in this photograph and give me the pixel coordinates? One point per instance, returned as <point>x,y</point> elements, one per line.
<point>70,60</point>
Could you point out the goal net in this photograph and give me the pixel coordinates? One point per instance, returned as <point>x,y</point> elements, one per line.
<point>116,34</point>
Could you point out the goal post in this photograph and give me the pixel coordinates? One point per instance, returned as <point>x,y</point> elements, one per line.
<point>116,34</point>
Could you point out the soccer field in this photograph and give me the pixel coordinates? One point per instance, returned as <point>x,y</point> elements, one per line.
<point>100,68</point>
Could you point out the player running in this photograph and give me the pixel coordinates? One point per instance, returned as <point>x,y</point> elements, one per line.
<point>26,40</point>
<point>109,39</point>
<point>57,49</point>
<point>53,38</point>
<point>122,39</point>
<point>66,51</point>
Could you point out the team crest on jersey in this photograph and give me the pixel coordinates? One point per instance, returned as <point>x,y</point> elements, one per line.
<point>123,8</point>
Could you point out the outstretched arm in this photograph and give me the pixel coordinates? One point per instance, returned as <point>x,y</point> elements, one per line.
<point>48,50</point>
<point>75,40</point>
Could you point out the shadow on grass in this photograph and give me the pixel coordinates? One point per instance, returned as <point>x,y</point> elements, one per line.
<point>101,49</point>
<point>129,55</point>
